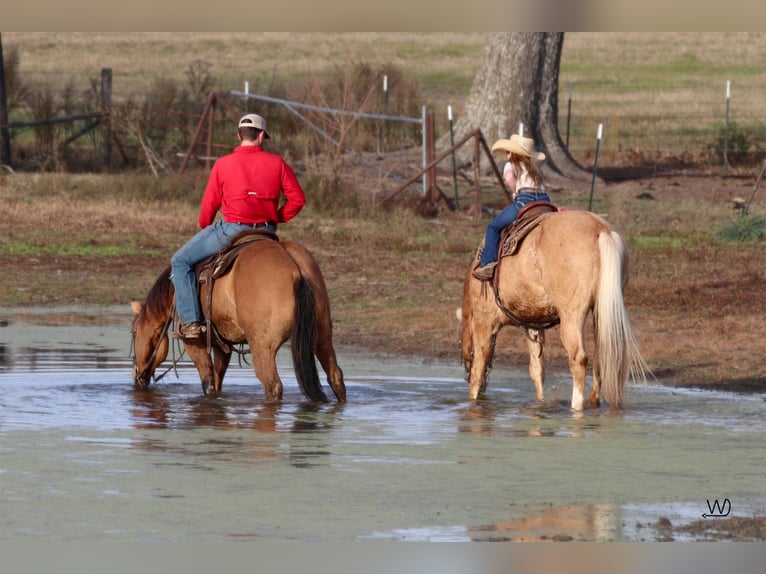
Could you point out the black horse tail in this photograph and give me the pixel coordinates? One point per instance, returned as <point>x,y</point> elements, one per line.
<point>303,341</point>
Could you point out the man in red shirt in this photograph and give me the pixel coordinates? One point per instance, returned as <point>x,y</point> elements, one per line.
<point>247,186</point>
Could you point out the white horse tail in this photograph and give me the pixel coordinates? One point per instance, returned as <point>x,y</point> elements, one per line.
<point>618,354</point>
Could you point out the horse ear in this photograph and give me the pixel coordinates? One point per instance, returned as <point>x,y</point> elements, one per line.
<point>136,306</point>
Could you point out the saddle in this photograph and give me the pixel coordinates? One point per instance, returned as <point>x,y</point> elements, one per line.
<point>511,238</point>
<point>529,217</point>
<point>218,265</point>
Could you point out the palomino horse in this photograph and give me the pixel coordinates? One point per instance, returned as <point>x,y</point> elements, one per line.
<point>273,292</point>
<point>569,266</point>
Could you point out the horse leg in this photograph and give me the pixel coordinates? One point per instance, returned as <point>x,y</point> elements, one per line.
<point>221,360</point>
<point>325,351</point>
<point>573,341</point>
<point>198,354</point>
<point>595,393</point>
<point>535,342</point>
<point>481,361</point>
<point>265,365</point>
<point>326,355</point>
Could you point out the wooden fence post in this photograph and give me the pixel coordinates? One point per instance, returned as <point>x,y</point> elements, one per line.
<point>106,117</point>
<point>5,133</point>
<point>210,126</point>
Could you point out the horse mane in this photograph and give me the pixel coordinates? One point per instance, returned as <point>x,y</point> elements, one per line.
<point>159,301</point>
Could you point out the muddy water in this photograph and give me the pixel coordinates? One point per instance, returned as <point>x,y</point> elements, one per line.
<point>84,457</point>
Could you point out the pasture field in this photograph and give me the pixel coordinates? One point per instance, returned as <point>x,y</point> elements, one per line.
<point>395,279</point>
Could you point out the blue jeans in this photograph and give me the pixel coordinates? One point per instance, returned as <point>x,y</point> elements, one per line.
<point>503,220</point>
<point>205,243</point>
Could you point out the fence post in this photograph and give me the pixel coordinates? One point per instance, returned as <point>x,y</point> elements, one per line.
<point>477,178</point>
<point>5,133</point>
<point>454,163</point>
<point>210,127</point>
<point>106,117</point>
<point>569,112</point>
<point>431,155</point>
<point>382,124</point>
<point>424,124</point>
<point>726,134</point>
<point>595,167</point>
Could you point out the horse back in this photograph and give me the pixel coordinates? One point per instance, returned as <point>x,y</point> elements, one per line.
<point>556,267</point>
<point>565,245</point>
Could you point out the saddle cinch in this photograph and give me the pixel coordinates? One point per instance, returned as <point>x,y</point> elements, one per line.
<point>217,265</point>
<point>529,217</point>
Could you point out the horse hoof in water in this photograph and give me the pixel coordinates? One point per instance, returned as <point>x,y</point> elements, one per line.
<point>209,389</point>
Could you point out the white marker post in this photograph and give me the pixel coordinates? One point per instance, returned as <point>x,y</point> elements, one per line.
<point>521,129</point>
<point>382,126</point>
<point>595,166</point>
<point>385,95</point>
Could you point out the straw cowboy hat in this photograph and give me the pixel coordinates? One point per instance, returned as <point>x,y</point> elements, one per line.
<point>518,145</point>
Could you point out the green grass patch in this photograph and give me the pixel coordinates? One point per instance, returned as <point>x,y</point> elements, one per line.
<point>744,228</point>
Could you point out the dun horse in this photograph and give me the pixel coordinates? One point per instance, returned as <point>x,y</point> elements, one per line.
<point>273,292</point>
<point>571,266</point>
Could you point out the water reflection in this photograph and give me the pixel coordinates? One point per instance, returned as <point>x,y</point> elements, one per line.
<point>298,427</point>
<point>47,357</point>
<point>575,522</point>
<point>150,409</point>
<point>486,417</point>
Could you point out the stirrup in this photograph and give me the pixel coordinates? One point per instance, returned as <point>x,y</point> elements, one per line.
<point>486,272</point>
<point>190,330</point>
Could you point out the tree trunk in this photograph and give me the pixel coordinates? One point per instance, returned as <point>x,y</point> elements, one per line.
<point>518,82</point>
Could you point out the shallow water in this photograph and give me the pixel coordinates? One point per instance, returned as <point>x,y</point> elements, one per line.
<point>84,457</point>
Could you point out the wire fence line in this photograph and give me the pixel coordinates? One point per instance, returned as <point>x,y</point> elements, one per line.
<point>665,137</point>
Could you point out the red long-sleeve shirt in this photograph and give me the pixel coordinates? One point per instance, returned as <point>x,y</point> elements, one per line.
<point>246,186</point>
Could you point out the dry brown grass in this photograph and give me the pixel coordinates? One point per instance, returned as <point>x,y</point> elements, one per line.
<point>258,57</point>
